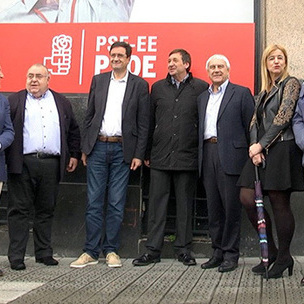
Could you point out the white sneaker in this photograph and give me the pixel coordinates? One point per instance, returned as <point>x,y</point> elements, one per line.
<point>83,261</point>
<point>113,260</point>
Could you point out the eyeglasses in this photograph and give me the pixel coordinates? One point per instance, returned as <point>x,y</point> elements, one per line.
<point>37,76</point>
<point>118,55</point>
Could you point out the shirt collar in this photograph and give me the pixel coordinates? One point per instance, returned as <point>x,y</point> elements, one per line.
<point>30,4</point>
<point>221,89</point>
<point>42,96</point>
<point>174,81</point>
<point>124,79</point>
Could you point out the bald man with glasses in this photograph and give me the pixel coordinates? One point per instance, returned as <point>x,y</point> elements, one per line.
<point>47,143</point>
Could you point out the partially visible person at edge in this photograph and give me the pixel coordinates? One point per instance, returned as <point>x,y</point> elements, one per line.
<point>298,129</point>
<point>272,142</point>
<point>47,143</point>
<point>115,135</point>
<point>225,111</point>
<point>172,157</point>
<point>6,136</point>
<point>67,11</point>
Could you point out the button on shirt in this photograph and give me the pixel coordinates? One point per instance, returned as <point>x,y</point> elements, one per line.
<point>213,107</point>
<point>111,123</point>
<point>41,131</point>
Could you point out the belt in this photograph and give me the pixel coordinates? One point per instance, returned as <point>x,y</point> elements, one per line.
<point>42,155</point>
<point>212,140</point>
<point>112,139</point>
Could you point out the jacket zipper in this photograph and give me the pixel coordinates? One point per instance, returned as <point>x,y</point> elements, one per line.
<point>268,146</point>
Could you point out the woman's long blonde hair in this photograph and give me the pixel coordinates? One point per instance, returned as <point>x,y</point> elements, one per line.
<point>266,79</point>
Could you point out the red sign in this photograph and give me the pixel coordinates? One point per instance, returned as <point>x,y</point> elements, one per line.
<point>75,52</point>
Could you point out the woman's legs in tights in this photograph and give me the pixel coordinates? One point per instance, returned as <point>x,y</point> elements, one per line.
<point>247,200</point>
<point>284,220</point>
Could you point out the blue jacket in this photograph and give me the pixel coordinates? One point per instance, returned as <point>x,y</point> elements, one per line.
<point>233,122</point>
<point>6,133</point>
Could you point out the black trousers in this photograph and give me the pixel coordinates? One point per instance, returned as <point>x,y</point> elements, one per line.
<point>35,189</point>
<point>160,185</point>
<point>224,207</point>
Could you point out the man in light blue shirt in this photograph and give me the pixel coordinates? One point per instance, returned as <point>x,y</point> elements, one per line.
<point>225,112</point>
<point>46,145</point>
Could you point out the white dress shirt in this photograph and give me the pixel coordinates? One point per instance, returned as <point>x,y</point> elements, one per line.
<point>41,130</point>
<point>213,107</point>
<point>111,123</point>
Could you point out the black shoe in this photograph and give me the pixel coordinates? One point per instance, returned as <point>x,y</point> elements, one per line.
<point>278,268</point>
<point>260,269</point>
<point>1,273</point>
<point>227,266</point>
<point>48,261</point>
<point>302,282</point>
<point>145,260</point>
<point>186,259</point>
<point>212,263</point>
<point>17,265</point>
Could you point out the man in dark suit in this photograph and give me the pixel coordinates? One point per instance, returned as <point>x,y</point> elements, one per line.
<point>114,142</point>
<point>6,136</point>
<point>47,143</point>
<point>225,112</point>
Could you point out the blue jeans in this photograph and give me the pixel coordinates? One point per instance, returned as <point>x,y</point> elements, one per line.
<point>105,167</point>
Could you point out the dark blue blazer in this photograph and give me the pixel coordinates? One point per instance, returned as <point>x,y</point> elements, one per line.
<point>233,122</point>
<point>6,133</point>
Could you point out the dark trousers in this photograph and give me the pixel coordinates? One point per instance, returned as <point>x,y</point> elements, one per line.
<point>160,185</point>
<point>35,189</point>
<point>224,207</point>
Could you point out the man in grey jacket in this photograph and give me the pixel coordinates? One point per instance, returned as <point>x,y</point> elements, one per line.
<point>172,156</point>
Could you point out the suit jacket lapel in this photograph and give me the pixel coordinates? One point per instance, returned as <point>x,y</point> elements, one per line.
<point>127,96</point>
<point>203,106</point>
<point>102,94</point>
<point>226,98</point>
<point>22,100</point>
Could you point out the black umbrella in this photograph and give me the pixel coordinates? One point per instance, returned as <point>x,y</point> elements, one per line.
<point>261,220</point>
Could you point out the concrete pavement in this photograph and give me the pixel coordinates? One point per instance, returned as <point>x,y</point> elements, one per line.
<point>166,282</point>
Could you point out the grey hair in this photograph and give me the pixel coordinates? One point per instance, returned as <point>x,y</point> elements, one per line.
<point>218,56</point>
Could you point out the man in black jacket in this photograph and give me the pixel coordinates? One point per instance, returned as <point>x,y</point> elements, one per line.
<point>172,156</point>
<point>46,145</point>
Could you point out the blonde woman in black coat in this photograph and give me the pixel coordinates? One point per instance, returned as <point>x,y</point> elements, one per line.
<point>272,142</point>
